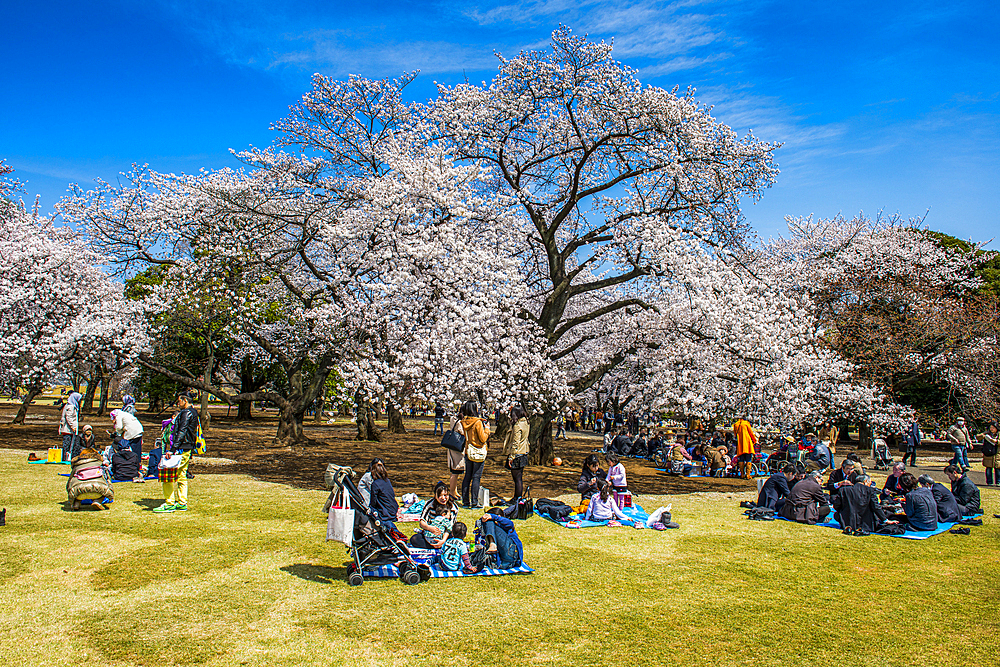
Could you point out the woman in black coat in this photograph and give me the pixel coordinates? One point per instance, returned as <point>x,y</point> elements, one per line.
<point>590,478</point>
<point>383,497</point>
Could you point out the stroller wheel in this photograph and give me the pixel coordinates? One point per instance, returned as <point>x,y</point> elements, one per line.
<point>355,579</point>
<point>410,577</point>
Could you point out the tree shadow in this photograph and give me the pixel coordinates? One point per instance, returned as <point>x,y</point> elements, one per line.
<point>320,574</point>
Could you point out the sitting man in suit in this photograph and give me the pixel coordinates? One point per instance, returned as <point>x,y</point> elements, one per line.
<point>892,486</point>
<point>807,503</point>
<point>776,488</point>
<point>920,506</point>
<point>964,490</point>
<point>947,506</point>
<point>857,505</point>
<point>840,478</point>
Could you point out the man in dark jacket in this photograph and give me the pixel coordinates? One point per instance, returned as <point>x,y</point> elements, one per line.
<point>819,458</point>
<point>807,503</point>
<point>964,490</point>
<point>185,438</point>
<point>125,463</point>
<point>947,506</point>
<point>857,506</point>
<point>840,478</point>
<point>920,506</point>
<point>622,444</point>
<point>776,489</point>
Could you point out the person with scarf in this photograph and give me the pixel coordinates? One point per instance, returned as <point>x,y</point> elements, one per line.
<point>69,426</point>
<point>128,404</point>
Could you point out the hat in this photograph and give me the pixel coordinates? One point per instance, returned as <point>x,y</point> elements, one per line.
<point>960,419</point>
<point>789,438</point>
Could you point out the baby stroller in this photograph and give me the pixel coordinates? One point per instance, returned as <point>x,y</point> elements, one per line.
<point>881,455</point>
<point>374,544</point>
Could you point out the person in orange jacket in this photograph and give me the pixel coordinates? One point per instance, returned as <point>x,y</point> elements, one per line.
<point>746,440</point>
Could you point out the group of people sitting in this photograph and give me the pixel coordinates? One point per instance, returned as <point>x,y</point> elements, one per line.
<point>598,488</point>
<point>439,528</point>
<point>800,495</point>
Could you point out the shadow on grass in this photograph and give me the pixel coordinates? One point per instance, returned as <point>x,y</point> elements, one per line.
<point>321,574</point>
<point>67,506</point>
<point>148,503</point>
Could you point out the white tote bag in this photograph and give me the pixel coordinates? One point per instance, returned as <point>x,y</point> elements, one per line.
<point>340,521</point>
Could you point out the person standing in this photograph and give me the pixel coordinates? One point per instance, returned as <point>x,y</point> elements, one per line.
<point>185,439</point>
<point>912,436</point>
<point>961,442</point>
<point>829,433</point>
<point>746,440</point>
<point>438,418</point>
<point>69,426</point>
<point>456,460</point>
<point>560,427</point>
<point>991,457</point>
<point>515,448</point>
<point>477,433</point>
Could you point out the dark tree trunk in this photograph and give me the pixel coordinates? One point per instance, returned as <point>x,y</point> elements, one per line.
<point>290,424</point>
<point>87,405</point>
<point>206,415</point>
<point>247,385</point>
<point>367,430</point>
<point>319,410</point>
<point>865,437</point>
<point>502,426</point>
<point>244,411</point>
<point>22,411</point>
<point>102,406</point>
<point>540,440</point>
<point>395,419</point>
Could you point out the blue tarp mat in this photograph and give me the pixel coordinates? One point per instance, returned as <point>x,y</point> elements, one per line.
<point>908,535</point>
<point>636,513</point>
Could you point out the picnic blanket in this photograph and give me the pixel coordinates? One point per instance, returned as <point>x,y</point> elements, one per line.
<point>636,513</point>
<point>57,463</point>
<point>386,571</point>
<point>427,556</point>
<point>908,535</point>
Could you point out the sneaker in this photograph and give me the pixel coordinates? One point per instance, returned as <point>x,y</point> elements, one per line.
<point>165,508</point>
<point>139,480</point>
<point>181,507</point>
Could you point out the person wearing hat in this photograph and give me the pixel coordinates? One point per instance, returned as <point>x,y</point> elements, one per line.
<point>961,442</point>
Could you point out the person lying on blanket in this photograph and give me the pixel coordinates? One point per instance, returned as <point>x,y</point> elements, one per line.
<point>502,540</point>
<point>603,506</point>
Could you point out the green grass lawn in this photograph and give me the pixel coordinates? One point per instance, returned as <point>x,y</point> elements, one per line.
<point>245,578</point>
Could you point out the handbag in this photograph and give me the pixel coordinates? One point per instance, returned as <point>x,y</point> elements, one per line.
<point>340,522</point>
<point>453,440</point>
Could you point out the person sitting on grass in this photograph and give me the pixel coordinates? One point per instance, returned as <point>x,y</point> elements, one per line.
<point>964,490</point>
<point>502,541</point>
<point>776,488</point>
<point>125,463</point>
<point>947,506</point>
<point>383,497</point>
<point>857,506</point>
<point>616,472</point>
<point>920,506</point>
<point>454,554</point>
<point>436,520</point>
<point>807,503</point>
<point>590,478</point>
<point>892,486</point>
<point>840,478</point>
<point>603,507</point>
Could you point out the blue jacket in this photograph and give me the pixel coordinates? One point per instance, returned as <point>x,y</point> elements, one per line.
<point>947,508</point>
<point>921,509</point>
<point>821,455</point>
<point>508,527</point>
<point>383,500</point>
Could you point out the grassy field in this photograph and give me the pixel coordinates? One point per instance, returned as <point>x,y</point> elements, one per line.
<point>245,578</point>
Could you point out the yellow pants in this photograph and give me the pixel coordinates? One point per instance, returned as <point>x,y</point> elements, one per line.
<point>176,493</point>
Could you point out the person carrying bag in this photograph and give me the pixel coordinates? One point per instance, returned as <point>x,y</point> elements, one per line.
<point>476,435</point>
<point>455,435</point>
<point>515,448</point>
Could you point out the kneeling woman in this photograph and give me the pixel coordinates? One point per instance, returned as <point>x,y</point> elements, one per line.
<point>383,497</point>
<point>591,478</point>
<point>436,520</point>
<point>603,506</point>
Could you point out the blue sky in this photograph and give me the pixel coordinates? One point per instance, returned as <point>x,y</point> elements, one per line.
<point>890,106</point>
